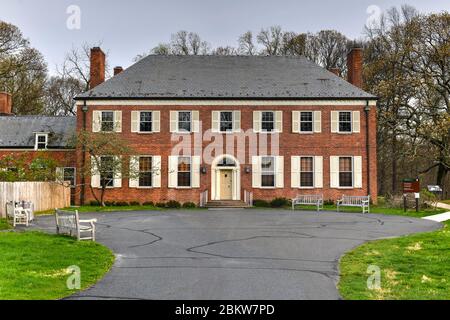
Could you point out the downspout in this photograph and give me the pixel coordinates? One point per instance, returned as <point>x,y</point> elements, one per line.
<point>367,110</point>
<point>84,108</point>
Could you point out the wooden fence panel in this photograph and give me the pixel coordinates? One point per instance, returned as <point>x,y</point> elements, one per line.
<point>44,195</point>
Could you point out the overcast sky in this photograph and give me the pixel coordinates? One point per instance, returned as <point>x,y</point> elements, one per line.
<point>127,28</point>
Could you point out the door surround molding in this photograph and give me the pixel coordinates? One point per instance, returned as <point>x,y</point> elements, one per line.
<point>215,177</point>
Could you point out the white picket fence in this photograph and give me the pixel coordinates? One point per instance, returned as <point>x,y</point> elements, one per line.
<point>44,195</point>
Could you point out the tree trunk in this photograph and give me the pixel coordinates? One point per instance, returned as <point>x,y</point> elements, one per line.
<point>93,193</point>
<point>394,164</point>
<point>440,178</point>
<point>102,196</point>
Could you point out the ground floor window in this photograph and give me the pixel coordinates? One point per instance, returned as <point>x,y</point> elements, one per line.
<point>345,172</point>
<point>145,172</point>
<point>69,175</point>
<point>107,171</point>
<point>268,172</point>
<point>184,172</point>
<point>306,172</point>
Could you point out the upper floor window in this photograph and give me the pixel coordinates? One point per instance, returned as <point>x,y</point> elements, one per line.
<point>226,121</point>
<point>306,121</point>
<point>267,121</point>
<point>268,172</point>
<point>184,121</point>
<point>345,172</point>
<point>345,121</point>
<point>145,121</point>
<point>184,171</point>
<point>41,141</point>
<point>107,121</point>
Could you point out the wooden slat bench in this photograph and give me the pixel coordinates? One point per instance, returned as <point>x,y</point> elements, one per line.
<point>355,201</point>
<point>308,199</point>
<point>68,222</point>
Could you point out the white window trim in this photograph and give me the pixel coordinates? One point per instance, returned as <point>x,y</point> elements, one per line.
<point>139,158</point>
<point>300,172</point>
<point>178,122</point>
<point>40,134</point>
<point>139,122</point>
<point>300,122</point>
<point>353,174</point>
<point>274,124</point>
<point>74,177</point>
<point>191,172</point>
<point>101,120</point>
<point>107,187</point>
<point>232,122</point>
<point>274,158</point>
<point>339,122</point>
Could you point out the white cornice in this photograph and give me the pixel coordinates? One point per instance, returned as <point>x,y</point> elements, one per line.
<point>324,103</point>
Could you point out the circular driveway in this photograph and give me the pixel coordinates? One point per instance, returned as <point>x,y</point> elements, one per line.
<point>232,254</point>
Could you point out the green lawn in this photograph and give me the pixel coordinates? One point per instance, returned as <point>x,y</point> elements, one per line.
<point>379,209</point>
<point>4,224</point>
<point>33,265</point>
<point>412,267</point>
<point>103,209</point>
<point>445,201</point>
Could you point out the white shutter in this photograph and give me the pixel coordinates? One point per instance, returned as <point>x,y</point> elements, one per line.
<point>118,121</point>
<point>236,121</point>
<point>357,171</point>
<point>156,121</point>
<point>156,175</point>
<point>356,125</point>
<point>95,175</point>
<point>278,121</point>
<point>334,121</point>
<point>134,172</point>
<point>317,121</point>
<point>257,121</point>
<point>173,171</point>
<point>215,121</point>
<point>295,172</point>
<point>195,121</point>
<point>279,172</point>
<point>135,118</point>
<point>318,172</point>
<point>173,121</point>
<point>334,172</point>
<point>256,172</point>
<point>195,172</point>
<point>118,173</point>
<point>96,121</point>
<point>60,175</point>
<point>295,121</point>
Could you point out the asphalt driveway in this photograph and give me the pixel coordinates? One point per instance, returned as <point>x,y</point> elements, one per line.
<point>232,254</point>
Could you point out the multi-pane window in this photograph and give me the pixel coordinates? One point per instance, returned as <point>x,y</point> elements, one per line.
<point>184,171</point>
<point>41,141</point>
<point>267,121</point>
<point>69,175</point>
<point>107,171</point>
<point>145,171</point>
<point>184,121</point>
<point>306,172</point>
<point>345,172</point>
<point>268,172</point>
<point>107,124</point>
<point>345,121</point>
<point>145,121</point>
<point>306,121</point>
<point>226,121</point>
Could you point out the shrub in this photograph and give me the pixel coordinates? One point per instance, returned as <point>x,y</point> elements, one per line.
<point>261,203</point>
<point>328,202</point>
<point>173,204</point>
<point>189,205</point>
<point>148,203</point>
<point>279,202</point>
<point>110,203</point>
<point>94,203</point>
<point>135,203</point>
<point>160,204</point>
<point>121,204</point>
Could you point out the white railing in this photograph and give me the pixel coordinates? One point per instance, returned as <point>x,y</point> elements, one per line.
<point>203,198</point>
<point>248,198</point>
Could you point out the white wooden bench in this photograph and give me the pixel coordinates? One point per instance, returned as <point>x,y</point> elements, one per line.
<point>309,200</point>
<point>68,222</point>
<point>355,201</point>
<point>16,214</point>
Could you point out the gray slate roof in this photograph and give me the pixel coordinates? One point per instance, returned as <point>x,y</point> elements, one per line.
<point>225,77</point>
<point>19,132</point>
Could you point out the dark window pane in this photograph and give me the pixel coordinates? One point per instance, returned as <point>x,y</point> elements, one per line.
<point>184,179</point>
<point>306,121</point>
<point>345,179</point>
<point>226,121</point>
<point>107,121</point>
<point>345,172</point>
<point>69,175</point>
<point>184,121</point>
<point>226,162</point>
<point>306,179</point>
<point>145,179</point>
<point>268,180</point>
<point>107,171</point>
<point>345,121</point>
<point>145,122</point>
<point>267,121</point>
<point>184,172</point>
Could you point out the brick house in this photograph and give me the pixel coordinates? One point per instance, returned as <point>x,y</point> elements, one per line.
<point>228,126</point>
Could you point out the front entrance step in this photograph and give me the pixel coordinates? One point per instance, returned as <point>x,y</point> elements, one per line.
<point>226,204</point>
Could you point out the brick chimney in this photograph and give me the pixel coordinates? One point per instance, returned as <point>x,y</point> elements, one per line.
<point>5,104</point>
<point>117,70</point>
<point>97,67</point>
<point>336,71</point>
<point>354,66</point>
